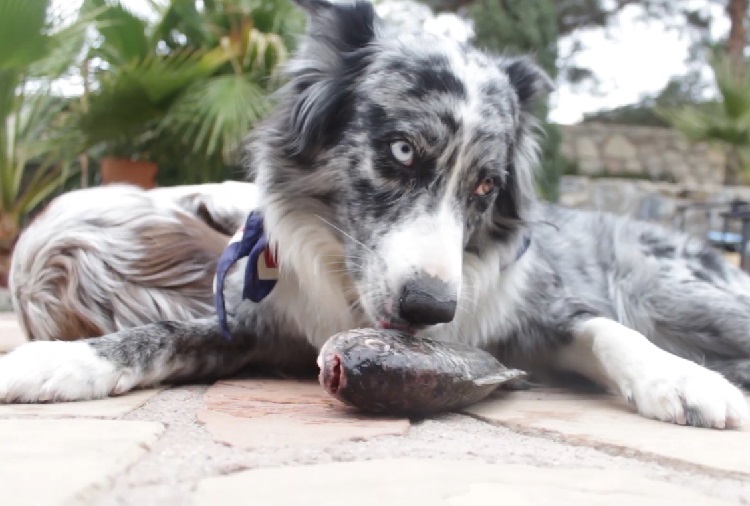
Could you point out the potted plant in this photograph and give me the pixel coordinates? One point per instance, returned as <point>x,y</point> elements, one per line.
<point>182,90</point>
<point>34,52</point>
<point>114,169</point>
<point>129,85</point>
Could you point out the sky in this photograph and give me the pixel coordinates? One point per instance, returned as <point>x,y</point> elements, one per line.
<point>631,58</point>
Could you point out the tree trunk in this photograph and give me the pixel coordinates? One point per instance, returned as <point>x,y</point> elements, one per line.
<point>84,161</point>
<point>737,11</point>
<point>736,42</point>
<point>9,232</point>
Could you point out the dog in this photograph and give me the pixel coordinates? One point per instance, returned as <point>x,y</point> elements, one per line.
<point>396,188</point>
<point>103,259</point>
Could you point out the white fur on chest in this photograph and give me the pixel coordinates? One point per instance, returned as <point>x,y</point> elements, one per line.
<point>315,290</point>
<point>307,301</point>
<point>488,308</point>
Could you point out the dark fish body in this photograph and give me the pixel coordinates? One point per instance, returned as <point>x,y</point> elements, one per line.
<point>389,371</point>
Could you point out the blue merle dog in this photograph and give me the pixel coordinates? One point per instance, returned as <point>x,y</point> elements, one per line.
<point>396,179</point>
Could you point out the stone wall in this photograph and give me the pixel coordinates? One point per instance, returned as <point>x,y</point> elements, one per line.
<point>652,201</point>
<point>651,153</point>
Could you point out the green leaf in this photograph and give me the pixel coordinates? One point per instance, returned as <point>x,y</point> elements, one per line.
<point>32,127</point>
<point>135,94</point>
<point>23,37</point>
<point>34,50</point>
<point>44,184</point>
<point>124,35</point>
<point>10,80</point>
<point>181,25</point>
<point>734,86</point>
<point>726,122</point>
<point>213,116</point>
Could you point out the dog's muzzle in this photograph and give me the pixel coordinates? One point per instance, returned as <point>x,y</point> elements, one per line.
<point>427,300</point>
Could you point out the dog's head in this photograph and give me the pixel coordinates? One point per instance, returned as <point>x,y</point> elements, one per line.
<point>415,149</point>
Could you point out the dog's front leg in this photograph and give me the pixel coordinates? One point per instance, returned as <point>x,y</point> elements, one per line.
<point>657,383</point>
<point>116,363</point>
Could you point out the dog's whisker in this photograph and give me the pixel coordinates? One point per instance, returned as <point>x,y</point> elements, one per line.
<point>464,311</point>
<point>345,233</point>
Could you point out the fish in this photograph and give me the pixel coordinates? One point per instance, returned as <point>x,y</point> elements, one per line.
<point>388,371</point>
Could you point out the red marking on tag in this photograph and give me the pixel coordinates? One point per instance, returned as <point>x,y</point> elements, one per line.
<point>270,258</point>
<point>267,268</point>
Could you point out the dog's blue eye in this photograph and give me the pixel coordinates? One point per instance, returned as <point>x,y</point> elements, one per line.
<point>403,152</point>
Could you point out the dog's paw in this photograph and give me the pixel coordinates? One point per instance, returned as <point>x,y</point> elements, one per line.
<point>52,371</point>
<point>685,393</point>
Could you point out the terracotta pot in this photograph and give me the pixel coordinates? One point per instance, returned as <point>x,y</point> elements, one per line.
<point>4,271</point>
<point>123,170</point>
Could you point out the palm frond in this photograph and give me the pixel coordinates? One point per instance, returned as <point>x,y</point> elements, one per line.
<point>65,51</point>
<point>124,36</point>
<point>46,180</point>
<point>140,92</point>
<point>32,129</point>
<point>733,84</point>
<point>264,52</point>
<point>726,121</point>
<point>42,47</point>
<point>181,24</point>
<point>23,37</point>
<point>213,116</point>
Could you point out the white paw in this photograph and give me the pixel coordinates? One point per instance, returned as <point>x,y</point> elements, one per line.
<point>683,392</point>
<point>55,371</point>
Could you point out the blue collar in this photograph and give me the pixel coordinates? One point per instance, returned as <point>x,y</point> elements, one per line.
<point>524,246</point>
<point>522,249</point>
<point>261,271</point>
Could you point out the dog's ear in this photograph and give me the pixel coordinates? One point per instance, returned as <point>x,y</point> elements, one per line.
<point>528,80</point>
<point>342,26</point>
<point>331,54</point>
<point>531,84</point>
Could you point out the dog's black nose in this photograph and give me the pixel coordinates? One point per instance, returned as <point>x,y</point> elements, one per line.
<point>427,300</point>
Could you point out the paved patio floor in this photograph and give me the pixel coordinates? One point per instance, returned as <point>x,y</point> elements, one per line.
<point>274,442</point>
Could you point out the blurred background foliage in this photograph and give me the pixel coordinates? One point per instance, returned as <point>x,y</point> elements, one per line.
<point>182,87</point>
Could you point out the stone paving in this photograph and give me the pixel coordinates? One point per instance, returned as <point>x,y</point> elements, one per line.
<point>261,441</point>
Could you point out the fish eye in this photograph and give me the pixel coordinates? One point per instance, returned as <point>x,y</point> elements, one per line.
<point>377,345</point>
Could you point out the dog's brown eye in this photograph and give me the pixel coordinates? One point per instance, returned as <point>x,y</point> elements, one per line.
<point>485,187</point>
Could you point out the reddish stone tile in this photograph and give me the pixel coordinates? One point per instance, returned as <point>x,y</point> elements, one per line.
<point>253,413</point>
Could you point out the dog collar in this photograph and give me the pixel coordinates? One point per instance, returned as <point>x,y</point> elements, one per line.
<point>261,271</point>
<point>522,249</point>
